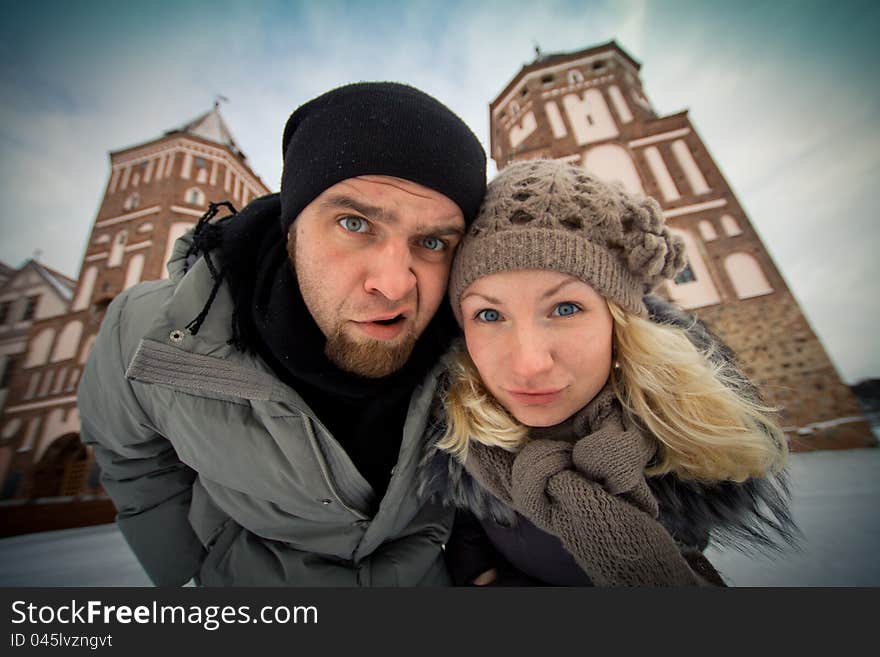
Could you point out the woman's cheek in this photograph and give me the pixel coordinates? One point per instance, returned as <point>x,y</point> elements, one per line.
<point>479,349</point>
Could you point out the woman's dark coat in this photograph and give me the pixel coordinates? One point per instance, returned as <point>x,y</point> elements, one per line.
<point>748,516</point>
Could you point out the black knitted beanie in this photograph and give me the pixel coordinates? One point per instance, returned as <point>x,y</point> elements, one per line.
<point>379,128</point>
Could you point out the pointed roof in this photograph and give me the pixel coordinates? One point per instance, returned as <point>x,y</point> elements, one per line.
<point>5,272</point>
<point>553,57</point>
<point>211,127</point>
<point>208,127</point>
<point>543,60</point>
<point>63,285</point>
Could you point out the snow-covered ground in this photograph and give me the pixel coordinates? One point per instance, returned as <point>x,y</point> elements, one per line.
<point>836,503</point>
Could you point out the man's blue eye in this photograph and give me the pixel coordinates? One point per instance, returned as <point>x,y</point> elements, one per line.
<point>433,244</point>
<point>489,315</point>
<point>566,309</point>
<point>354,224</point>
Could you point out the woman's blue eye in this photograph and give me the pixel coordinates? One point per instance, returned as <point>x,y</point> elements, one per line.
<point>354,224</point>
<point>566,309</point>
<point>433,244</point>
<point>489,315</point>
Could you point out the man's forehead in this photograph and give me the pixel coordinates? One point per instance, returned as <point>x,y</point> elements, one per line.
<point>373,192</point>
<point>379,184</point>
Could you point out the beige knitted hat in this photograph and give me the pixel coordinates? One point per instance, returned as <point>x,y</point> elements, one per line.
<point>543,214</point>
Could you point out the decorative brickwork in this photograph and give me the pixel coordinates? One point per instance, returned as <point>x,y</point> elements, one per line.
<point>154,192</point>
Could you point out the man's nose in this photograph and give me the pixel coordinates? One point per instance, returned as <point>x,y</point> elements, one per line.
<point>531,353</point>
<point>391,273</point>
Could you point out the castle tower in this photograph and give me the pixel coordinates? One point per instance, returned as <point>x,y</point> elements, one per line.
<point>589,107</point>
<point>155,192</point>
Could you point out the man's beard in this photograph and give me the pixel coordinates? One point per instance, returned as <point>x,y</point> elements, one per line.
<point>372,359</point>
<point>369,358</point>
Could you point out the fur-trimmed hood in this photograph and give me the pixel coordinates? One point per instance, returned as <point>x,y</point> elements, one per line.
<point>749,516</point>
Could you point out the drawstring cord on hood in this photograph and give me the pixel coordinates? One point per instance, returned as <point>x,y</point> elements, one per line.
<point>206,237</point>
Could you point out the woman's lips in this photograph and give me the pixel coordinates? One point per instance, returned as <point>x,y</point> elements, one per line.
<point>535,397</point>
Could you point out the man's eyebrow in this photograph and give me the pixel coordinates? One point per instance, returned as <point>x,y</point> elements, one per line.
<point>450,229</point>
<point>377,213</point>
<point>369,211</point>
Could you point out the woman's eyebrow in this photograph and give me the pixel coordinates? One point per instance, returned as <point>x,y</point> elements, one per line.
<point>484,296</point>
<point>553,290</point>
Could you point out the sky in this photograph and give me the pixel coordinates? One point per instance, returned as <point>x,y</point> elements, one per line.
<point>784,94</point>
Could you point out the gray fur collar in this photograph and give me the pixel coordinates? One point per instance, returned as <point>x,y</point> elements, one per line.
<point>752,516</point>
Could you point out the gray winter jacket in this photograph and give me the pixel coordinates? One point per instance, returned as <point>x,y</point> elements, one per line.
<point>221,472</point>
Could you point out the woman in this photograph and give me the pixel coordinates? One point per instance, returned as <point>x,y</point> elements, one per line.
<point>597,436</point>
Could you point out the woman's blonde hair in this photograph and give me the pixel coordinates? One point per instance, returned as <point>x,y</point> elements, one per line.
<point>708,420</point>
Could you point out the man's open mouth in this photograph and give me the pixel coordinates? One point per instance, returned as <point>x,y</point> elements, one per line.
<point>390,321</point>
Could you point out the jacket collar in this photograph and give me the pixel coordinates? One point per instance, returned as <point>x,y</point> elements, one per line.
<point>171,355</point>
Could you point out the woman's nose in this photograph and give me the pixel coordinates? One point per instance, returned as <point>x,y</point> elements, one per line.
<point>531,354</point>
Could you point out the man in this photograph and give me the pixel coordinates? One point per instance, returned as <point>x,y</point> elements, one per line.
<point>258,416</point>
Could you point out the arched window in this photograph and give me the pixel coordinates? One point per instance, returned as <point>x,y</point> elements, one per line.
<point>9,366</point>
<point>689,165</point>
<point>40,346</point>
<point>61,463</point>
<point>693,288</point>
<point>746,275</point>
<point>661,174</point>
<point>68,342</point>
<point>132,201</point>
<point>707,231</point>
<point>175,231</point>
<point>201,170</point>
<point>134,271</point>
<point>730,226</point>
<point>612,163</point>
<point>518,133</point>
<point>195,196</point>
<point>589,117</point>
<point>86,287</point>
<point>118,249</point>
<point>574,76</point>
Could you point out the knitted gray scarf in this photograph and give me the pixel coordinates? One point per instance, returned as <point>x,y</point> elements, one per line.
<point>592,494</point>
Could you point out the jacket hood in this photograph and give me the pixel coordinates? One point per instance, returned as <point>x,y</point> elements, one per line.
<point>750,516</point>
